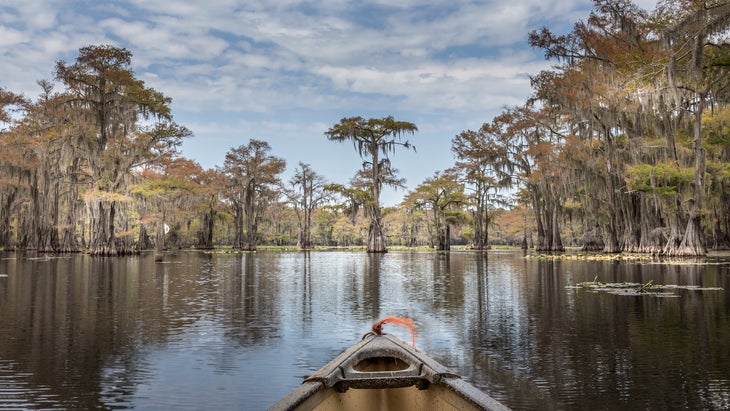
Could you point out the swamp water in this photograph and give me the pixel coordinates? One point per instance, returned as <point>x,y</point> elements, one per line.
<point>239,331</point>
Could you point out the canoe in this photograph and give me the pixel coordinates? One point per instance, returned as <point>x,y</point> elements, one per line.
<point>382,372</point>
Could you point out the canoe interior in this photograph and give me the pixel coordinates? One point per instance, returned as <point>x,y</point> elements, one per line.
<point>436,398</point>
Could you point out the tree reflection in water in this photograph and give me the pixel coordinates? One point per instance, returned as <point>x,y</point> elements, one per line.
<point>219,330</point>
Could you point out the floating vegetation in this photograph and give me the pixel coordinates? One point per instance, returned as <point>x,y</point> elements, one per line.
<point>643,258</point>
<point>49,258</point>
<point>595,257</point>
<point>636,289</point>
<point>228,250</point>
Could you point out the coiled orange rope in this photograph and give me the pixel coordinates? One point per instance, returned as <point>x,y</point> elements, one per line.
<point>378,326</point>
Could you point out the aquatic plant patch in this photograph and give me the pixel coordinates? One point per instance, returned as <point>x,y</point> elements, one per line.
<point>639,289</point>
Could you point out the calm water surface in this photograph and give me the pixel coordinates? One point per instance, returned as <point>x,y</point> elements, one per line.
<point>224,331</point>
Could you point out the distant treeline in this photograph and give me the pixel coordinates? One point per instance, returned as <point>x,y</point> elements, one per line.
<point>623,146</point>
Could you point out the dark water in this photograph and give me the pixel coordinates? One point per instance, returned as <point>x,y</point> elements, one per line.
<point>205,331</point>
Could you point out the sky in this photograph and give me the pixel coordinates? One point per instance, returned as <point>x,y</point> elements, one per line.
<point>286,71</point>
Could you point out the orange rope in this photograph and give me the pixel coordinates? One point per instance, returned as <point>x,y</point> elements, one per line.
<point>378,326</point>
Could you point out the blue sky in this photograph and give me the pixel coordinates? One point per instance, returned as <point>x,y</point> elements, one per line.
<point>285,71</point>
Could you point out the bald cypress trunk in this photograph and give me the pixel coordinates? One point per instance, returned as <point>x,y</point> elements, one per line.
<point>101,228</point>
<point>376,239</point>
<point>68,242</point>
<point>693,244</point>
<point>250,218</point>
<point>205,235</point>
<point>541,244</point>
<point>556,242</point>
<point>238,226</point>
<point>7,198</point>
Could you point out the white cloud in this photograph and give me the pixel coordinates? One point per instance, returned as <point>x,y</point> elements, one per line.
<point>10,37</point>
<point>32,15</point>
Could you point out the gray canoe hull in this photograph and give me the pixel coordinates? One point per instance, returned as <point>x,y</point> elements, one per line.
<point>382,372</point>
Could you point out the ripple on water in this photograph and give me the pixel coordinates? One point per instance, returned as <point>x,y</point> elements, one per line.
<point>17,392</point>
<point>718,392</point>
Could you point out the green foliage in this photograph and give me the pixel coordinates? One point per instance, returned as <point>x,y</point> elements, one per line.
<point>372,135</point>
<point>716,129</point>
<point>720,171</point>
<point>665,179</point>
<point>151,188</point>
